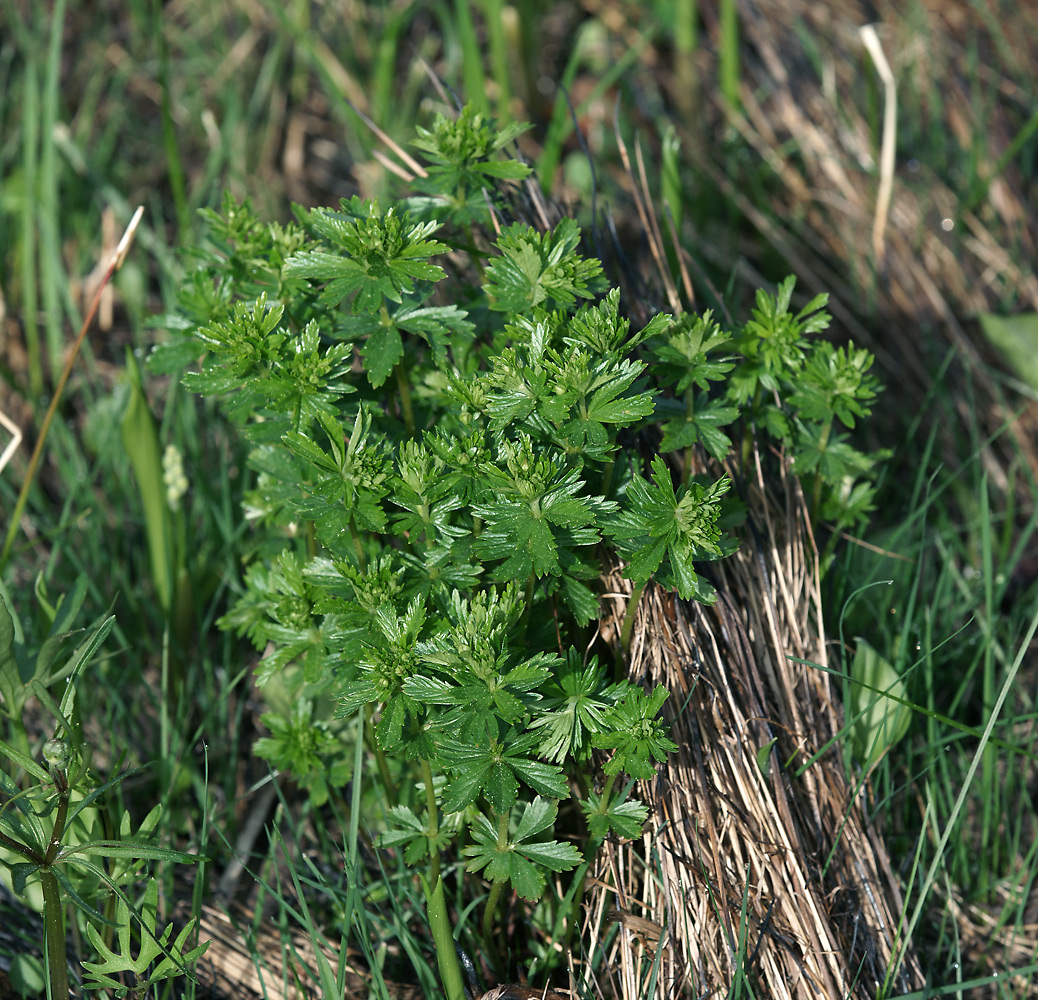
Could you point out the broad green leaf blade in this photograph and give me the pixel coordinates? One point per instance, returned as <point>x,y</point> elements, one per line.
<point>141,441</point>
<point>1017,338</point>
<point>877,694</point>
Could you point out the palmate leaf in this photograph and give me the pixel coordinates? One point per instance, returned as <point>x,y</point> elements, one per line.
<point>537,268</point>
<point>495,770</point>
<point>500,692</point>
<point>574,708</point>
<point>175,960</point>
<point>835,382</point>
<point>636,734</point>
<point>680,526</point>
<point>412,835</point>
<point>522,860</point>
<point>624,818</point>
<point>464,165</point>
<point>703,425</point>
<point>376,255</point>
<point>545,513</point>
<point>688,352</point>
<point>348,480</point>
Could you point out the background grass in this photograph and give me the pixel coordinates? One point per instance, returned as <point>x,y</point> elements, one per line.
<point>169,105</point>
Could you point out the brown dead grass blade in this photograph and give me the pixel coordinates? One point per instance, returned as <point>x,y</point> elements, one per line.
<point>748,867</point>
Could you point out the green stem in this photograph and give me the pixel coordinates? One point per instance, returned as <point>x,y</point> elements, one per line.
<point>816,490</point>
<point>495,894</point>
<point>753,411</point>
<point>57,963</point>
<point>690,412</point>
<point>58,830</point>
<point>531,580</point>
<point>488,924</point>
<point>432,828</point>
<point>380,758</point>
<point>574,900</point>
<point>607,791</point>
<point>311,539</point>
<point>405,398</point>
<point>607,477</point>
<point>625,635</point>
<point>359,546</point>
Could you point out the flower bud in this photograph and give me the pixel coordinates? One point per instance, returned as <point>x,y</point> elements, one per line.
<point>57,754</point>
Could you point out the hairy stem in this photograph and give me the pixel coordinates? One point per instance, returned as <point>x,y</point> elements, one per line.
<point>690,412</point>
<point>404,389</point>
<point>432,827</point>
<point>358,545</point>
<point>57,964</point>
<point>625,635</point>
<point>495,894</point>
<point>816,490</point>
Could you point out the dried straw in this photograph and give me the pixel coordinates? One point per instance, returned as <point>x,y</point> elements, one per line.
<point>756,862</point>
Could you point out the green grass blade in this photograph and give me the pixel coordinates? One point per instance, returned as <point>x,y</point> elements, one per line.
<point>728,58</point>
<point>950,823</point>
<point>472,76</point>
<point>141,441</point>
<point>30,146</point>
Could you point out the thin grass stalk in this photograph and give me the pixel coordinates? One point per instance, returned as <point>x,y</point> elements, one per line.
<point>23,494</point>
<point>472,74</point>
<point>49,200</point>
<point>30,143</point>
<point>728,58</point>
<point>493,14</point>
<point>174,166</point>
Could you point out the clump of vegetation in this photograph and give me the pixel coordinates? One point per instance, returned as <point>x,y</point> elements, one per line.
<point>445,464</point>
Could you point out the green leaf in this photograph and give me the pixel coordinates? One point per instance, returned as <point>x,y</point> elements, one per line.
<point>495,770</point>
<point>623,818</point>
<point>1017,338</point>
<point>881,716</point>
<point>681,526</point>
<point>636,734</point>
<point>521,859</point>
<point>126,849</point>
<point>537,268</point>
<point>377,256</point>
<point>10,677</point>
<point>100,974</point>
<point>574,708</point>
<point>24,761</point>
<point>141,441</point>
<point>764,757</point>
<point>382,351</point>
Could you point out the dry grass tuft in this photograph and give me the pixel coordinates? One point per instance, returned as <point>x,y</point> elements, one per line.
<point>911,249</point>
<point>764,873</point>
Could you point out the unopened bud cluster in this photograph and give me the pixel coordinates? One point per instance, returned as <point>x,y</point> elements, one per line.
<point>173,476</point>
